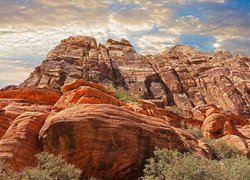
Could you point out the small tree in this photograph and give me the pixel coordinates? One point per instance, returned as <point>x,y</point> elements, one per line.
<point>52,167</point>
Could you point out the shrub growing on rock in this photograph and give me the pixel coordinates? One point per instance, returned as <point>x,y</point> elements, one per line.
<point>125,96</point>
<point>171,164</point>
<point>52,167</point>
<point>222,150</point>
<point>6,173</point>
<point>195,131</point>
<point>237,167</point>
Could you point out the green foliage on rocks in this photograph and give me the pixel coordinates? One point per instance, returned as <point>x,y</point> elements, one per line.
<point>173,165</point>
<point>221,150</point>
<point>125,96</point>
<point>52,167</point>
<point>195,131</point>
<point>6,173</point>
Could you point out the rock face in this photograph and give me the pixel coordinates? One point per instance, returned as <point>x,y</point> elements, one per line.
<point>181,76</point>
<point>20,143</point>
<point>68,106</point>
<point>38,96</point>
<point>108,141</point>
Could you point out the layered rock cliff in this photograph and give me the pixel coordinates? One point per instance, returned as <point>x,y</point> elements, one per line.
<point>67,106</point>
<point>181,76</point>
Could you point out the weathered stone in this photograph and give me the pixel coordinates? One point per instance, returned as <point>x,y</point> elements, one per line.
<point>182,76</point>
<point>38,96</point>
<point>85,95</point>
<point>20,143</point>
<point>108,141</point>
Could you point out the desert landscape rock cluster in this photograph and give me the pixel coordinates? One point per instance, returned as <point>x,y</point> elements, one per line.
<point>68,106</point>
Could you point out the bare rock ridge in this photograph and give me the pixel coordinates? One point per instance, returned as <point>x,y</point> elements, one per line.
<point>67,106</point>
<point>181,76</point>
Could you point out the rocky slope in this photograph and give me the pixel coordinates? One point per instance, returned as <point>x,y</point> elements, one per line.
<point>67,106</point>
<point>181,76</point>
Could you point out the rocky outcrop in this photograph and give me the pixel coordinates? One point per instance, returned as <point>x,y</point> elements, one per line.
<point>10,109</point>
<point>182,76</point>
<point>20,143</point>
<point>85,93</point>
<point>38,96</point>
<point>108,141</point>
<point>217,125</point>
<point>111,139</point>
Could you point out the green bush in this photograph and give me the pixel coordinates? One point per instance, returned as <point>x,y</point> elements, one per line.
<point>195,131</point>
<point>221,150</point>
<point>178,111</point>
<point>125,96</point>
<point>52,167</point>
<point>6,173</point>
<point>169,164</point>
<point>237,167</point>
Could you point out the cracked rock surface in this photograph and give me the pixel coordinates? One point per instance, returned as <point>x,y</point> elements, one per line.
<point>68,106</point>
<point>182,76</point>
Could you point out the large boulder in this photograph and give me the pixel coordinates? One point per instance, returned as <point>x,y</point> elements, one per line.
<point>217,125</point>
<point>10,109</point>
<point>38,96</point>
<point>20,142</point>
<point>108,141</point>
<point>84,92</point>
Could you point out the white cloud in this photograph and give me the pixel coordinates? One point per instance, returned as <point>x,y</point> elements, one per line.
<point>29,31</point>
<point>234,44</point>
<point>13,72</point>
<point>156,44</point>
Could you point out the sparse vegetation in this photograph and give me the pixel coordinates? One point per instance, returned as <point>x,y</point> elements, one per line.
<point>178,111</point>
<point>195,131</point>
<point>52,167</point>
<point>171,164</point>
<point>6,173</point>
<point>237,167</point>
<point>56,86</point>
<point>222,150</point>
<point>125,96</point>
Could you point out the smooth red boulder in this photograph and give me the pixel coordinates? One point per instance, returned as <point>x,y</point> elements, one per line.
<point>39,96</point>
<point>108,141</point>
<point>20,142</point>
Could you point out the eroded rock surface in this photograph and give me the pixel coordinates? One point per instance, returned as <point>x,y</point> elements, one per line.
<point>20,142</point>
<point>111,139</point>
<point>181,76</point>
<point>108,141</point>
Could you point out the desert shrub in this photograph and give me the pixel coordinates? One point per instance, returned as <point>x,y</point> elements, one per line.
<point>222,150</point>
<point>52,167</point>
<point>178,111</point>
<point>169,164</point>
<point>6,173</point>
<point>195,131</point>
<point>125,96</point>
<point>237,167</point>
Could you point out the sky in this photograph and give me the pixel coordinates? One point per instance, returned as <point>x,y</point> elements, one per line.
<point>29,29</point>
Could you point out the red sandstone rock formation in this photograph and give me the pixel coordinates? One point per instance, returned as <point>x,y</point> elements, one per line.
<point>181,76</point>
<point>108,141</point>
<point>20,142</point>
<point>38,96</point>
<point>108,138</point>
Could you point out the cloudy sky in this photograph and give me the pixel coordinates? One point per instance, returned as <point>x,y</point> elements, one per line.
<point>30,28</point>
